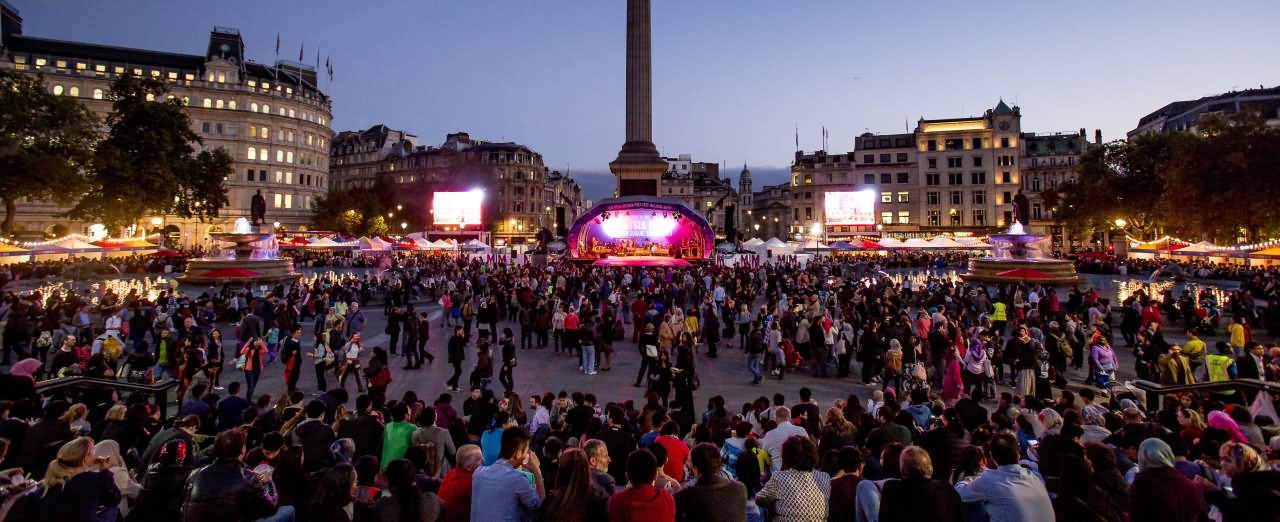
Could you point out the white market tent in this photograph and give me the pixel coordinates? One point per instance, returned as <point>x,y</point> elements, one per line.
<point>1203,247</point>
<point>891,242</point>
<point>774,243</point>
<point>917,242</point>
<point>753,242</point>
<point>972,242</point>
<point>374,243</point>
<point>943,242</point>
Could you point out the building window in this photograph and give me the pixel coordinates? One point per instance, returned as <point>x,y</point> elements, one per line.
<point>977,143</point>
<point>1035,211</point>
<point>979,197</point>
<point>253,131</point>
<point>954,163</point>
<point>253,107</point>
<point>74,91</point>
<point>151,97</point>
<point>957,197</point>
<point>933,163</point>
<point>1004,143</point>
<point>886,179</point>
<point>935,218</point>
<point>97,94</point>
<point>955,178</point>
<point>1035,180</point>
<point>279,156</point>
<point>231,104</point>
<point>904,217</point>
<point>217,104</point>
<point>279,176</point>
<point>264,154</point>
<point>41,62</point>
<point>253,153</point>
<point>289,156</point>
<point>886,217</point>
<point>978,178</point>
<point>884,158</point>
<point>904,197</point>
<point>262,176</point>
<point>869,179</point>
<point>266,109</point>
<point>173,76</point>
<point>204,127</point>
<point>57,90</point>
<point>934,198</point>
<point>932,145</point>
<point>903,177</point>
<point>266,133</point>
<point>1008,198</point>
<point>886,197</point>
<point>933,179</point>
<point>955,218</point>
<point>1005,177</point>
<point>954,144</point>
<point>977,161</point>
<point>868,158</point>
<point>62,64</point>
<point>980,218</point>
<point>902,157</point>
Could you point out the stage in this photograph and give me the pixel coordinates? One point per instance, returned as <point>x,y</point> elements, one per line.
<point>627,261</point>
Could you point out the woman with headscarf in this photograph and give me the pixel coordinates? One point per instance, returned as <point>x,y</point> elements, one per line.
<point>129,488</point>
<point>1220,420</point>
<point>1159,492</point>
<point>1253,491</point>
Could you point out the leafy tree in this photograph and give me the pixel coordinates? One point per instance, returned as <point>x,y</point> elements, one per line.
<point>376,226</point>
<point>148,165</point>
<point>45,143</point>
<point>350,222</point>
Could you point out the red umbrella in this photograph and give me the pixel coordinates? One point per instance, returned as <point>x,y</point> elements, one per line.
<point>165,252</point>
<point>1029,274</point>
<point>231,273</point>
<point>868,245</point>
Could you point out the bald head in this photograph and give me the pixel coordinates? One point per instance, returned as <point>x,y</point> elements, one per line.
<point>469,457</point>
<point>914,462</point>
<point>781,413</point>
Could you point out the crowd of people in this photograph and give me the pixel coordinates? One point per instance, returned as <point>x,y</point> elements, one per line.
<point>937,438</point>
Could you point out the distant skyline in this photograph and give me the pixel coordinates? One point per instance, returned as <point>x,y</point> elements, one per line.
<point>732,80</point>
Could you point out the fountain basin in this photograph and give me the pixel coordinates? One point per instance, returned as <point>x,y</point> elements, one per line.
<point>1046,271</point>
<point>245,268</point>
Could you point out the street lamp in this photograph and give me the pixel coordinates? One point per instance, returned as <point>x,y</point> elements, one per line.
<point>815,230</point>
<point>157,221</point>
<point>1121,223</point>
<point>276,224</point>
<point>399,208</point>
<point>403,225</point>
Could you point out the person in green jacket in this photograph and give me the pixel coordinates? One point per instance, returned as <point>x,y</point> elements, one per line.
<point>397,435</point>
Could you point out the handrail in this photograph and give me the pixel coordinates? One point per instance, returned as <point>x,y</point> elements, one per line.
<point>1155,390</point>
<point>159,389</point>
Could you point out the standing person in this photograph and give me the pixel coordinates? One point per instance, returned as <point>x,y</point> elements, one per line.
<point>324,358</point>
<point>1026,360</point>
<point>457,354</point>
<point>393,329</point>
<point>648,346</point>
<point>508,347</point>
<point>711,328</point>
<point>712,496</point>
<point>753,346</point>
<point>354,320</point>
<point>424,334</point>
<point>642,502</point>
<point>798,492</point>
<point>396,435</point>
<point>351,363</point>
<point>252,357</point>
<point>502,492</point>
<point>215,357</point>
<point>291,356</point>
<point>410,348</point>
<point>587,341</point>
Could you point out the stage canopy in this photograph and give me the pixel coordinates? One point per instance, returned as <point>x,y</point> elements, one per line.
<point>641,226</point>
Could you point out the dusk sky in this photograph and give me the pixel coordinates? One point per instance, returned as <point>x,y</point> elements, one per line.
<point>732,79</point>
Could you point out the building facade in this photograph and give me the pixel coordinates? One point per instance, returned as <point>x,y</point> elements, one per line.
<point>1049,161</point>
<point>771,212</point>
<point>273,120</point>
<point>521,194</point>
<point>357,158</point>
<point>1184,115</point>
<point>700,187</point>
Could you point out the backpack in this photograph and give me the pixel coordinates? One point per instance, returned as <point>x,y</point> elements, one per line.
<point>45,340</point>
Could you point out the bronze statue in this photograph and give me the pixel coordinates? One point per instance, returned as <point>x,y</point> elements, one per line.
<point>258,209</point>
<point>1021,209</point>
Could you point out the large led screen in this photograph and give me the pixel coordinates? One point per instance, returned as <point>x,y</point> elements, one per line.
<point>850,208</point>
<point>457,208</point>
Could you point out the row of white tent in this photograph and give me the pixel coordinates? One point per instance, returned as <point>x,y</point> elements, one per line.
<point>417,240</point>
<point>778,246</point>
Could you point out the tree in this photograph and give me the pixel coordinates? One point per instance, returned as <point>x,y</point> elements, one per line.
<point>45,143</point>
<point>148,165</point>
<point>1121,179</point>
<point>376,226</point>
<point>350,222</point>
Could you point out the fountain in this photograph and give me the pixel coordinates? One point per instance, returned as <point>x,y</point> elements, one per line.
<point>1016,257</point>
<point>252,260</point>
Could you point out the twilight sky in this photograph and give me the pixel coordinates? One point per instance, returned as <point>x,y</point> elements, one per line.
<point>732,78</point>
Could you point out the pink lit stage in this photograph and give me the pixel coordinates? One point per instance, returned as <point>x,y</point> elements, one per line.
<point>641,231</point>
<point>640,261</point>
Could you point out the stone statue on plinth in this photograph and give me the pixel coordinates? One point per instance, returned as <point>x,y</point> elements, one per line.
<point>258,209</point>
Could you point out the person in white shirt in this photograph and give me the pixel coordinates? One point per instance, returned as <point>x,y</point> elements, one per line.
<point>774,439</point>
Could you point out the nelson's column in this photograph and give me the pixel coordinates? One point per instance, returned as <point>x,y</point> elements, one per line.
<point>638,166</point>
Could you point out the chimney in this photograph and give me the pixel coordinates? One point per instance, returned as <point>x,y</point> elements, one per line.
<point>1097,136</point>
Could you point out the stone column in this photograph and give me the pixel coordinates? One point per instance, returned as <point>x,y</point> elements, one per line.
<point>639,68</point>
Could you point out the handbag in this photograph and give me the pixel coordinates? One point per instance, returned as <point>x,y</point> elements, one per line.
<point>242,361</point>
<point>919,372</point>
<point>651,351</point>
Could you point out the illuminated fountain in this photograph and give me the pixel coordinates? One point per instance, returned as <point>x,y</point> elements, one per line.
<point>252,259</point>
<point>1016,256</point>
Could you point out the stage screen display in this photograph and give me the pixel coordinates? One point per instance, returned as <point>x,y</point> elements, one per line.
<point>457,208</point>
<point>850,208</point>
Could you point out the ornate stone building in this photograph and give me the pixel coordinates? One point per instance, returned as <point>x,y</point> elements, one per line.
<point>272,119</point>
<point>1048,162</point>
<point>357,158</point>
<point>700,187</point>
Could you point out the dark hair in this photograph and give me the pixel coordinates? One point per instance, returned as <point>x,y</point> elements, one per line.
<point>850,459</point>
<point>316,409</point>
<point>571,488</point>
<point>427,417</point>
<point>706,459</point>
<point>513,440</point>
<point>399,412</point>
<point>234,387</point>
<point>333,491</point>
<point>229,444</point>
<point>272,441</point>
<point>659,453</point>
<point>642,467</point>
<point>402,481</point>
<point>366,469</point>
<point>799,453</point>
<point>1003,448</point>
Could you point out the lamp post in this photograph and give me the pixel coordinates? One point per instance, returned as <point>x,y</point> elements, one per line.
<point>815,230</point>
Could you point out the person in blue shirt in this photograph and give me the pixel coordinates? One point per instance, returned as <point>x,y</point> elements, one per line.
<point>491,439</point>
<point>1008,492</point>
<point>194,404</point>
<point>231,409</point>
<point>502,492</point>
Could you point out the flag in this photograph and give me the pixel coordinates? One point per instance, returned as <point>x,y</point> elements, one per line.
<point>300,51</point>
<point>329,65</point>
<point>797,137</point>
<point>277,46</point>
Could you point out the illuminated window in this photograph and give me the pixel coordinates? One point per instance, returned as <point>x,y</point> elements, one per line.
<point>904,197</point>
<point>288,201</point>
<point>289,91</point>
<point>186,101</point>
<point>279,176</point>
<point>74,91</point>
<point>189,77</point>
<point>57,90</point>
<point>282,112</point>
<point>231,104</point>
<point>210,77</point>
<point>288,136</point>
<point>81,66</point>
<point>289,156</point>
<point>173,76</point>
<point>279,199</point>
<point>886,197</point>
<point>309,137</point>
<point>222,77</point>
<point>290,113</point>
<point>935,218</point>
<point>62,64</point>
<point>266,86</point>
<point>253,153</point>
<point>886,217</point>
<point>218,104</point>
<point>137,71</point>
<point>97,94</point>
<point>151,97</point>
<point>904,217</point>
<point>41,62</point>
<point>266,132</point>
<point>208,103</point>
<point>266,108</point>
<point>980,217</point>
<point>264,154</point>
<point>155,73</point>
<point>279,156</point>
<point>253,131</point>
<point>253,107</point>
<point>288,178</point>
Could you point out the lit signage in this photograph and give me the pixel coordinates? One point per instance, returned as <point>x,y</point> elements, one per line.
<point>850,208</point>
<point>457,208</point>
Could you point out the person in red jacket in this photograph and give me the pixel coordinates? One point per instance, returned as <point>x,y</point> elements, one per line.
<point>455,491</point>
<point>642,502</point>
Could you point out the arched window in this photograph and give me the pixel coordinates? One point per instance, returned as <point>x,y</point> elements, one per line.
<point>253,107</point>
<point>208,104</point>
<point>231,105</point>
<point>75,91</point>
<point>97,94</point>
<point>253,153</point>
<point>57,90</point>
<point>266,108</point>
